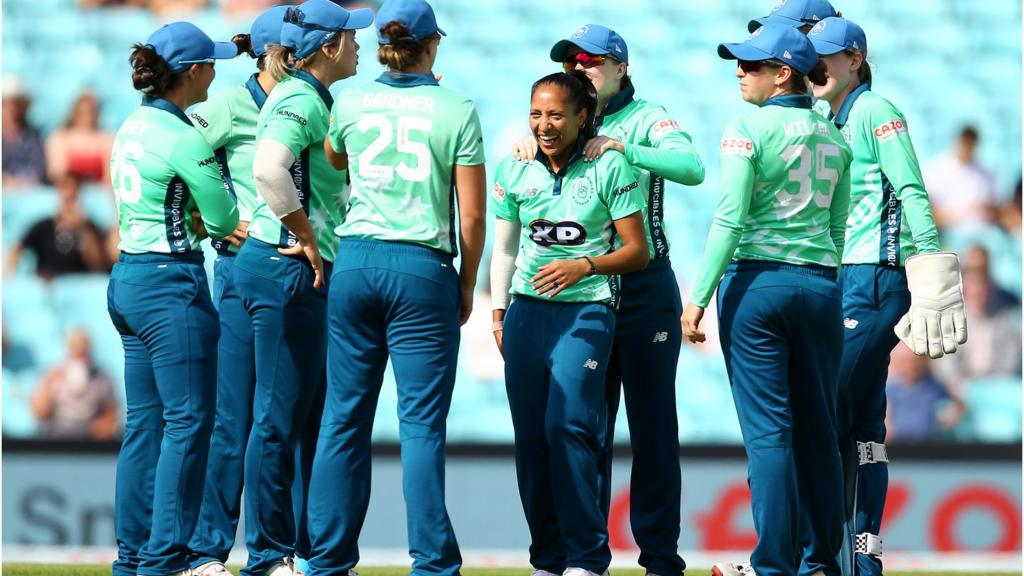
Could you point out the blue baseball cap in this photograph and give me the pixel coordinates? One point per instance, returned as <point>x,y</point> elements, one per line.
<point>416,15</point>
<point>312,24</point>
<point>593,39</point>
<point>774,42</point>
<point>183,44</point>
<point>795,13</point>
<point>266,29</point>
<point>833,35</point>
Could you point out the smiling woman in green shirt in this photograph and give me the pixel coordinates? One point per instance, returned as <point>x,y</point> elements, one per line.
<point>159,299</point>
<point>778,237</point>
<point>647,333</point>
<point>556,227</point>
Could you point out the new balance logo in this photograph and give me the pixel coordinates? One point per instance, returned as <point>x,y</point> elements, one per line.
<point>850,323</point>
<point>660,337</point>
<point>590,364</point>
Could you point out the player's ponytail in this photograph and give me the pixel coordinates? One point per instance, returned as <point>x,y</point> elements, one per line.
<point>587,100</point>
<point>151,74</point>
<point>798,82</point>
<point>864,72</point>
<point>403,52</point>
<point>244,44</point>
<point>278,61</point>
<point>817,74</point>
<point>581,92</point>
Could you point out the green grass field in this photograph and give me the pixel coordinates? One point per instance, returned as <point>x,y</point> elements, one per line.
<point>95,570</point>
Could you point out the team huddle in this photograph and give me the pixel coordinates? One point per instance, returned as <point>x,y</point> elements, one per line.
<point>337,222</point>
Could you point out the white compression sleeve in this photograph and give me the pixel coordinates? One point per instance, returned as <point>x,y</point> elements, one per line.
<point>503,261</point>
<point>273,180</point>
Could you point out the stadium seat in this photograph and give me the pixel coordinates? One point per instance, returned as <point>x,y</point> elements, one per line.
<point>994,409</point>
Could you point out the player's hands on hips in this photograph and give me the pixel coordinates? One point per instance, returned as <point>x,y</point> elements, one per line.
<point>936,323</point>
<point>598,145</point>
<point>467,306</point>
<point>525,150</point>
<point>312,253</point>
<point>557,276</point>
<point>198,226</point>
<point>239,235</point>
<point>692,315</point>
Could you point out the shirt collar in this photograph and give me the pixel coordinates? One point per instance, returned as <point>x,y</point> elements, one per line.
<point>618,102</point>
<point>166,106</point>
<point>312,81</point>
<point>258,95</point>
<point>844,110</point>
<point>576,155</point>
<point>790,101</point>
<point>406,80</point>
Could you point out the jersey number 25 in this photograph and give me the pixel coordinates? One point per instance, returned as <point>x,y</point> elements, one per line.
<point>405,127</point>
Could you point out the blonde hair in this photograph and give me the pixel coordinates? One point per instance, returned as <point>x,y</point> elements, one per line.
<point>279,61</point>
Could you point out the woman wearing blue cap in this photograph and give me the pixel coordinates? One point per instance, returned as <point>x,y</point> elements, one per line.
<point>778,237</point>
<point>647,333</point>
<point>228,123</point>
<point>799,14</point>
<point>159,300</point>
<point>279,272</point>
<point>895,281</point>
<point>414,153</point>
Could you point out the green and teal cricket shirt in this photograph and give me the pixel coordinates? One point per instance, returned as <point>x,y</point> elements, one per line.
<point>658,149</point>
<point>403,134</point>
<point>161,169</point>
<point>296,114</point>
<point>785,191</point>
<point>566,215</point>
<point>228,122</point>
<point>890,216</point>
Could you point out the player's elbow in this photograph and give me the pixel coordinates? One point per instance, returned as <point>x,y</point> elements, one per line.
<point>224,227</point>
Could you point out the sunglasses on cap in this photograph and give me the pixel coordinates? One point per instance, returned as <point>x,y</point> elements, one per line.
<point>749,66</point>
<point>585,60</point>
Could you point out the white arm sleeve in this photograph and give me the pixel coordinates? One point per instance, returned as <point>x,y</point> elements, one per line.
<point>270,170</point>
<point>503,261</point>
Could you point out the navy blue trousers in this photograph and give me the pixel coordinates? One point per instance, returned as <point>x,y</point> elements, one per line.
<point>556,361</point>
<point>874,300</point>
<point>643,363</point>
<point>403,301</point>
<point>781,333</point>
<point>289,320</point>
<point>161,306</point>
<point>236,382</point>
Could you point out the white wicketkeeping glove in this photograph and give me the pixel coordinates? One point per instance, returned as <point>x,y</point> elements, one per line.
<point>936,323</point>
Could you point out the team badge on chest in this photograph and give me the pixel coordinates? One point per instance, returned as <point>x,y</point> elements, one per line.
<point>582,191</point>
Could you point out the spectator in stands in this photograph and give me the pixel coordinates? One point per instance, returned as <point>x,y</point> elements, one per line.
<point>1010,213</point>
<point>993,323</point>
<point>24,164</point>
<point>962,192</point>
<point>75,398</point>
<point>111,3</point>
<point>66,243</point>
<point>80,148</point>
<point>175,6</point>
<point>920,407</point>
